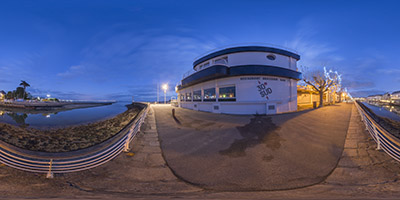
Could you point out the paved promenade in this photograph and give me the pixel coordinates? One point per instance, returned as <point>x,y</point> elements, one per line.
<point>250,153</point>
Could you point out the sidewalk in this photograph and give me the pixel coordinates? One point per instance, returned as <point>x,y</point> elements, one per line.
<point>253,153</point>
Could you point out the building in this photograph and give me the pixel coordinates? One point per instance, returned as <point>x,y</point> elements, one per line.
<point>2,95</point>
<point>306,95</point>
<point>395,95</point>
<point>376,97</point>
<point>242,80</point>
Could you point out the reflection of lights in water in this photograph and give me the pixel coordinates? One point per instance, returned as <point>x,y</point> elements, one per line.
<point>1,113</point>
<point>47,116</point>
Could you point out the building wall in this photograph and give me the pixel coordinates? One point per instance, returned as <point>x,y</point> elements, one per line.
<point>307,98</point>
<point>254,58</point>
<point>249,97</point>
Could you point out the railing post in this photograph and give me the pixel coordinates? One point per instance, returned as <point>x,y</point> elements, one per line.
<point>378,141</point>
<point>127,141</point>
<point>50,173</point>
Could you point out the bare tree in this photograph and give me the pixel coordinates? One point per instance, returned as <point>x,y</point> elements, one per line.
<point>321,81</point>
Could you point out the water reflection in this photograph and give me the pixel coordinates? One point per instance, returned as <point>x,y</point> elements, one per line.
<point>19,118</point>
<point>384,110</point>
<point>59,118</point>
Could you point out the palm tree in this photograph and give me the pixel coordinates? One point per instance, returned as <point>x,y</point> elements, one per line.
<point>24,84</point>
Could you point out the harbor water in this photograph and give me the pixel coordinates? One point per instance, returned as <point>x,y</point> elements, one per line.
<point>55,118</point>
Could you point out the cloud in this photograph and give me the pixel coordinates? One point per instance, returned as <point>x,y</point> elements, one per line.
<point>73,71</point>
<point>356,85</point>
<point>312,51</point>
<point>60,94</point>
<point>365,93</point>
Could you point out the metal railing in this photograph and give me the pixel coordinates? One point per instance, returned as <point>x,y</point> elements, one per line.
<point>385,140</point>
<point>65,162</point>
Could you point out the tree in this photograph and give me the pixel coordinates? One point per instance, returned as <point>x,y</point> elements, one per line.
<point>20,93</point>
<point>24,84</point>
<point>321,82</point>
<point>9,95</point>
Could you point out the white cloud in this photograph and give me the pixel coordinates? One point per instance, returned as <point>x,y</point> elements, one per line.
<point>73,71</point>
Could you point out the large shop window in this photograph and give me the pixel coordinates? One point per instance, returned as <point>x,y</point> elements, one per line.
<point>189,96</point>
<point>197,95</point>
<point>182,97</point>
<point>227,93</point>
<point>209,94</point>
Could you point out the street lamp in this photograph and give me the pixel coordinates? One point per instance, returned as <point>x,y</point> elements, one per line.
<point>165,87</point>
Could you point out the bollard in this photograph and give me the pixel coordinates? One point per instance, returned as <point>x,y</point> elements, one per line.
<point>173,112</point>
<point>314,105</point>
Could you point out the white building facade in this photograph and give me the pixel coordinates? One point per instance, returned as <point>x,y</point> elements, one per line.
<point>242,80</point>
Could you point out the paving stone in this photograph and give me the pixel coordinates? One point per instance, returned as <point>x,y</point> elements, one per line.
<point>350,144</point>
<point>362,152</point>
<point>155,160</point>
<point>347,162</point>
<point>151,149</point>
<point>154,143</point>
<point>350,152</point>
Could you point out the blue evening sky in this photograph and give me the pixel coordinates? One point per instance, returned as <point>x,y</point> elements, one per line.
<point>118,49</point>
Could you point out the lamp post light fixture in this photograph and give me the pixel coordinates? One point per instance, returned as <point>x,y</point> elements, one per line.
<point>165,87</point>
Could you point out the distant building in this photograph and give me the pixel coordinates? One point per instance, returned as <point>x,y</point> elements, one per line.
<point>395,95</point>
<point>306,95</point>
<point>376,97</point>
<point>2,95</point>
<point>386,96</point>
<point>242,80</point>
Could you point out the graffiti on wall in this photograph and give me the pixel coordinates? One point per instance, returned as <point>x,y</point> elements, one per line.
<point>263,89</point>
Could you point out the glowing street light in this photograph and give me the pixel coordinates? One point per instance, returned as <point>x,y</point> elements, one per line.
<point>165,87</point>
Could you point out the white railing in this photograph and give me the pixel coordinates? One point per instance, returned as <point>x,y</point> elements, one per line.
<point>385,140</point>
<point>65,162</point>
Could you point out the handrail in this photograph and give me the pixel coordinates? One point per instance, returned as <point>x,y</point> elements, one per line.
<point>65,162</point>
<point>384,139</point>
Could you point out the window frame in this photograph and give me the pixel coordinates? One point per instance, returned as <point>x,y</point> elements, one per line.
<point>226,98</point>
<point>210,99</point>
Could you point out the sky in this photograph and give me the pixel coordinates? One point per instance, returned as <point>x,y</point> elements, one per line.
<point>114,50</point>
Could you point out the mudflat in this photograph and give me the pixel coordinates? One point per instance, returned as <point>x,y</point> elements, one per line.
<point>66,138</point>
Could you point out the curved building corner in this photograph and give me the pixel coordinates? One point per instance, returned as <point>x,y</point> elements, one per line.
<point>242,80</point>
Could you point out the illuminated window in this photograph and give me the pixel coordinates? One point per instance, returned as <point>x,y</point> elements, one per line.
<point>182,96</point>
<point>189,96</point>
<point>209,94</point>
<point>227,93</point>
<point>197,95</point>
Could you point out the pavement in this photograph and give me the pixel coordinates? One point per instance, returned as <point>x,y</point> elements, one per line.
<point>253,153</point>
<point>362,172</point>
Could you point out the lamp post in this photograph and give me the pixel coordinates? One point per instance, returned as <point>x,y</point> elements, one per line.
<point>165,87</point>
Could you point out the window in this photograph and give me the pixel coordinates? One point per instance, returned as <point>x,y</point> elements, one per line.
<point>209,94</point>
<point>197,95</point>
<point>271,107</point>
<point>182,97</point>
<point>227,93</point>
<point>206,65</point>
<point>271,57</point>
<point>223,60</point>
<point>189,96</point>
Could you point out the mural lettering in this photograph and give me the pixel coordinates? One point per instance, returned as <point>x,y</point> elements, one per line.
<point>263,89</point>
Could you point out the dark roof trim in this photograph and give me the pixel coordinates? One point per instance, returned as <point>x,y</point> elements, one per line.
<point>395,92</point>
<point>222,71</point>
<point>246,49</point>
